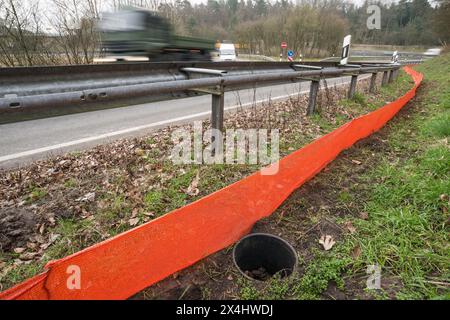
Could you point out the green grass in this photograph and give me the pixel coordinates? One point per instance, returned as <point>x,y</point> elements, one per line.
<point>173,196</point>
<point>406,198</point>
<point>325,268</point>
<point>70,183</point>
<point>360,99</point>
<point>154,201</point>
<point>36,194</point>
<point>406,233</point>
<point>323,123</point>
<point>438,126</point>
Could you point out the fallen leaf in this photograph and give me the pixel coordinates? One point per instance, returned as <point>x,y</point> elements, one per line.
<point>192,190</point>
<point>139,152</point>
<point>53,237</point>
<point>134,213</point>
<point>149,214</point>
<point>31,245</point>
<point>87,197</point>
<point>133,221</point>
<point>356,252</point>
<point>19,250</point>
<point>27,256</point>
<point>52,220</point>
<point>364,215</point>
<point>349,226</point>
<point>327,242</point>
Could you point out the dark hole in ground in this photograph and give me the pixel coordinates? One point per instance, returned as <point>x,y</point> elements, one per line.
<point>260,256</point>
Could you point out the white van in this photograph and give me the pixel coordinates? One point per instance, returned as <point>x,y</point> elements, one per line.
<point>227,52</point>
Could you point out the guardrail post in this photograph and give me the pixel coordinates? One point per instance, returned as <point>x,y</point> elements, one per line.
<point>313,96</point>
<point>217,111</point>
<point>352,89</point>
<point>373,81</point>
<point>385,78</point>
<point>391,76</point>
<point>395,71</point>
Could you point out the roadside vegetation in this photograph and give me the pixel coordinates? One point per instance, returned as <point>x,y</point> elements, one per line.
<point>384,203</point>
<point>56,207</point>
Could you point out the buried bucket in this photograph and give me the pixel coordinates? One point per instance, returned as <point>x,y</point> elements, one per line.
<point>260,256</point>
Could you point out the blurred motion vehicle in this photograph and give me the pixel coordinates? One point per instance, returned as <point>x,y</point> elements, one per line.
<point>433,52</point>
<point>227,52</point>
<point>135,32</point>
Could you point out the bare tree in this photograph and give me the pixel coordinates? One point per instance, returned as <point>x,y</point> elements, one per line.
<point>19,32</point>
<point>75,24</point>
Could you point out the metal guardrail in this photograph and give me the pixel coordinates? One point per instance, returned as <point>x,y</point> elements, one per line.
<point>36,87</point>
<point>41,80</point>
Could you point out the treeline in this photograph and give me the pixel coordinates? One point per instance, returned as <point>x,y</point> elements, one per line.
<point>63,31</point>
<point>407,22</point>
<point>313,27</point>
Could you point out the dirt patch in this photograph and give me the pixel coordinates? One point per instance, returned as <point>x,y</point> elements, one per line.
<point>17,225</point>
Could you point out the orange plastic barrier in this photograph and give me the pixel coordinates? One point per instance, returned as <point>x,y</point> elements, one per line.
<point>122,266</point>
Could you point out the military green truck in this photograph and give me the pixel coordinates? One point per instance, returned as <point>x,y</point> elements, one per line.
<point>141,33</point>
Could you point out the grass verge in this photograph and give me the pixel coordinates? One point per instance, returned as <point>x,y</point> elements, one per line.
<point>84,198</point>
<point>385,202</point>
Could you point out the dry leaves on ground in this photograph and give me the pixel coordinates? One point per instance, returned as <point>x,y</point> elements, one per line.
<point>327,242</point>
<point>350,227</point>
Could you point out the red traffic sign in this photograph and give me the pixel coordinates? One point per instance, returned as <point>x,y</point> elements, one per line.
<point>284,44</point>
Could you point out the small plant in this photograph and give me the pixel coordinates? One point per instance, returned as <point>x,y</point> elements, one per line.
<point>360,99</point>
<point>439,126</point>
<point>153,201</point>
<point>36,194</point>
<point>70,183</point>
<point>248,291</point>
<point>319,273</point>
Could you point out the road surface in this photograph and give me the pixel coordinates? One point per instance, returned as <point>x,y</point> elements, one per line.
<point>27,141</point>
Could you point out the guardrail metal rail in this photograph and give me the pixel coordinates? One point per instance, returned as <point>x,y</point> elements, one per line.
<point>31,88</point>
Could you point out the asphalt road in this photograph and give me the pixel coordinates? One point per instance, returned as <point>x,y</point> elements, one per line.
<point>27,141</point>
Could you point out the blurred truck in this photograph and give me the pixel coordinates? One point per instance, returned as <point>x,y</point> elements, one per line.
<point>133,32</point>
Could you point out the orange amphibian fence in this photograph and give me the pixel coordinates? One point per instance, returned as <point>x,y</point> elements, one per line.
<point>123,265</point>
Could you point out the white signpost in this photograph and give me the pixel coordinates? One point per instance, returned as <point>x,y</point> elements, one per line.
<point>346,50</point>
<point>395,57</point>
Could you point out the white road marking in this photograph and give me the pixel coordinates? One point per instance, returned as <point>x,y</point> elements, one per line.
<point>139,128</point>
